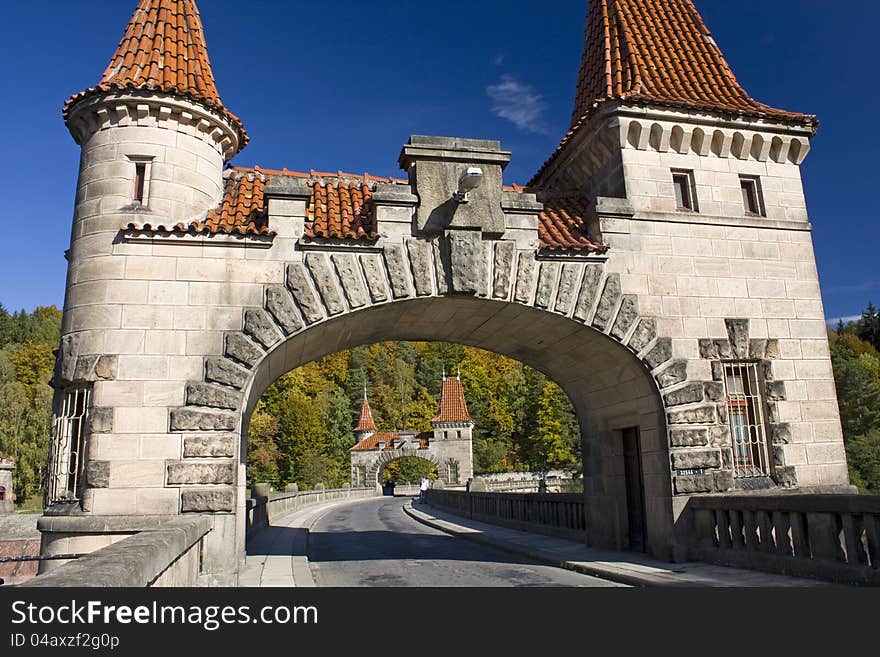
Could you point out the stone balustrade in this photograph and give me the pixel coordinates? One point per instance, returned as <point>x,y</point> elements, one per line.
<point>554,514</point>
<point>832,537</point>
<point>261,511</point>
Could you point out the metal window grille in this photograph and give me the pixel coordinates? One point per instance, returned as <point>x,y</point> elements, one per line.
<point>745,412</point>
<point>67,456</point>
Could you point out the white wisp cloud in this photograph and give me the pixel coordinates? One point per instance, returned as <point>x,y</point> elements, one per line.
<point>518,103</point>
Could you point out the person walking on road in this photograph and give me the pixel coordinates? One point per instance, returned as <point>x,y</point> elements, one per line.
<point>423,490</point>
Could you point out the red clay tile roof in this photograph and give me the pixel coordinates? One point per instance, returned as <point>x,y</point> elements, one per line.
<point>338,209</point>
<point>453,407</point>
<point>365,421</point>
<point>658,52</point>
<point>164,50</point>
<point>388,437</point>
<point>562,225</point>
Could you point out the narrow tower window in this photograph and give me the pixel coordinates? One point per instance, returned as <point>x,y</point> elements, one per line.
<point>753,203</point>
<point>685,198</point>
<point>140,181</point>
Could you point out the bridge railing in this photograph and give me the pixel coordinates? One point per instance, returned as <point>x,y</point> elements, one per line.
<point>261,511</point>
<point>169,555</point>
<point>554,514</point>
<point>832,537</point>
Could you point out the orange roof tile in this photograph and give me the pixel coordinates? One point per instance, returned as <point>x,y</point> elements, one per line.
<point>338,209</point>
<point>453,407</point>
<point>164,50</point>
<point>658,52</point>
<point>562,225</point>
<point>388,437</point>
<point>365,420</point>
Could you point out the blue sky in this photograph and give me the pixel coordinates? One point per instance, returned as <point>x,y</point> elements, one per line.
<point>342,85</point>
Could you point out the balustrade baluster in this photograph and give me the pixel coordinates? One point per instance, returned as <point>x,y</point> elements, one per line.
<point>824,532</point>
<point>852,539</point>
<point>872,538</point>
<point>766,528</point>
<point>780,530</point>
<point>722,521</point>
<point>736,529</point>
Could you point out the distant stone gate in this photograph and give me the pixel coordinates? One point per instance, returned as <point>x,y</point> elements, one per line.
<point>448,446</point>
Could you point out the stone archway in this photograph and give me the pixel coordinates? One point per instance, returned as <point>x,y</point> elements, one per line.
<point>569,319</point>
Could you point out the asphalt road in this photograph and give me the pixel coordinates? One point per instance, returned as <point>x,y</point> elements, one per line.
<point>376,544</point>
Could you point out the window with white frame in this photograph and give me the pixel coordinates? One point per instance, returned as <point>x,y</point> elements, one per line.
<point>753,199</point>
<point>685,191</point>
<point>745,412</point>
<point>67,455</point>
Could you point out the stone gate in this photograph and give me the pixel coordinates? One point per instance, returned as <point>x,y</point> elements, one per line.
<point>659,267</point>
<point>448,446</point>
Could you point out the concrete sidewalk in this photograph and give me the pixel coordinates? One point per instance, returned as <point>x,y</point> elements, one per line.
<point>630,568</point>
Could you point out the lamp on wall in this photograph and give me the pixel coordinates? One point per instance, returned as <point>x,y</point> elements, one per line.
<point>468,181</point>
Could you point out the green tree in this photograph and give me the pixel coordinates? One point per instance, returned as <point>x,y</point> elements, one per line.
<point>863,455</point>
<point>263,453</point>
<point>408,470</point>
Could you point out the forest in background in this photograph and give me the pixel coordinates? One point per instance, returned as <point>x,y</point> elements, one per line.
<point>856,361</point>
<point>27,342</point>
<point>301,429</point>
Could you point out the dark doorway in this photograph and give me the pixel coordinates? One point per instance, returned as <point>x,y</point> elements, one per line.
<point>635,490</point>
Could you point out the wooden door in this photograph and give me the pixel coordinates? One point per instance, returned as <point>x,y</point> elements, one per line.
<point>635,489</point>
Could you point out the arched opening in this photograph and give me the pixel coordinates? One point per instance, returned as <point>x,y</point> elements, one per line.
<point>634,135</point>
<point>333,421</point>
<point>611,390</point>
<point>656,139</point>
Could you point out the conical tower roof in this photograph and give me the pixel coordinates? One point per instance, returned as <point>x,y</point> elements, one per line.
<point>163,50</point>
<point>365,420</point>
<point>658,53</point>
<point>453,407</point>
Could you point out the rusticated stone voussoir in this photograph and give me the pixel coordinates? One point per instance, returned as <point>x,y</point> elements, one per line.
<point>280,304</point>
<point>209,500</point>
<point>194,473</point>
<point>260,327</point>
<point>205,394</point>
<point>189,419</point>
<point>242,350</point>
<point>210,446</point>
<point>222,370</point>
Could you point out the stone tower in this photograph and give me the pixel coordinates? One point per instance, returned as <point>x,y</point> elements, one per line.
<point>154,136</point>
<point>453,430</point>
